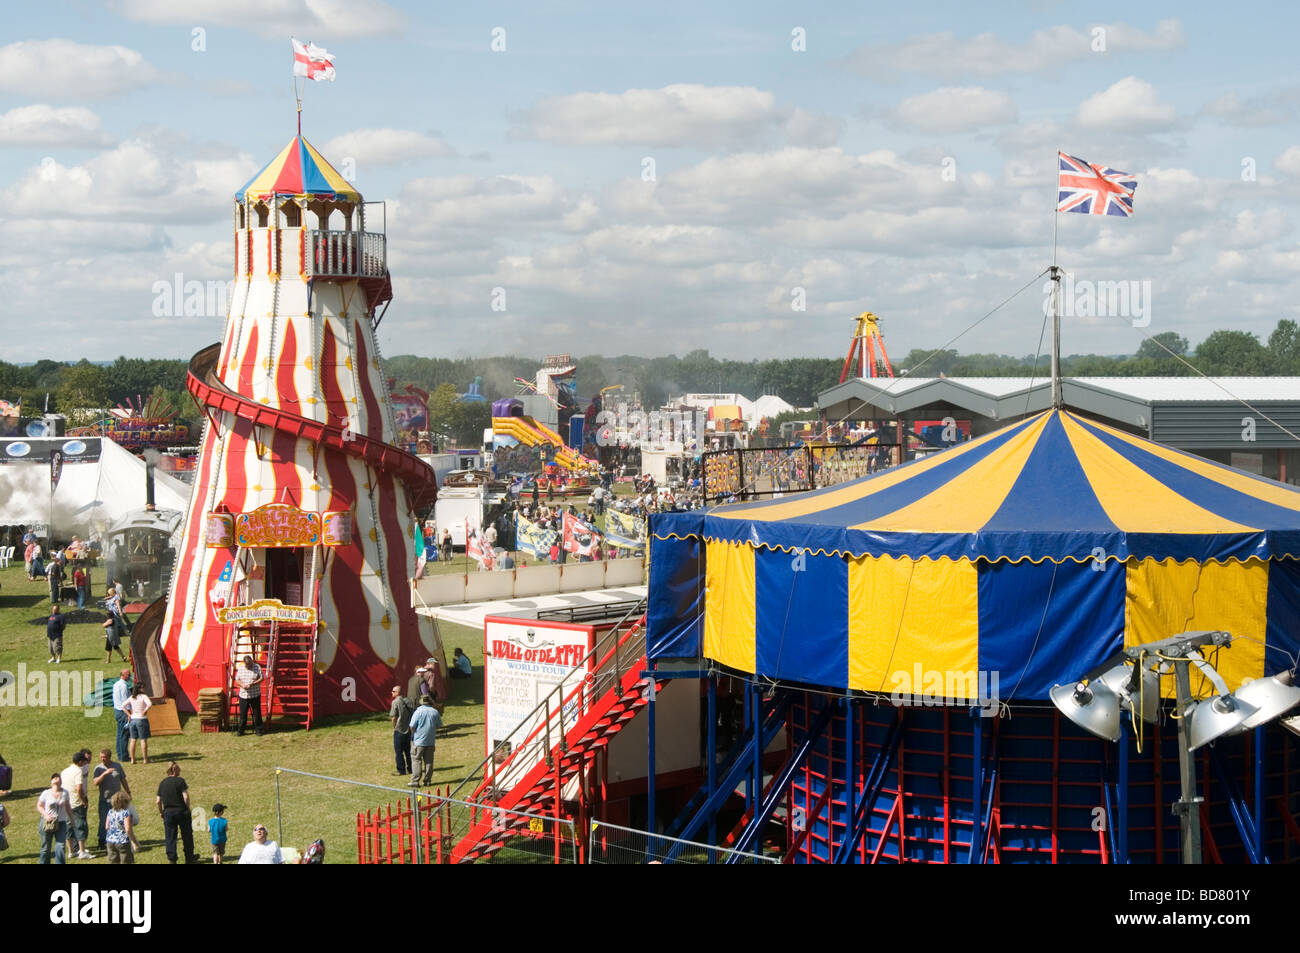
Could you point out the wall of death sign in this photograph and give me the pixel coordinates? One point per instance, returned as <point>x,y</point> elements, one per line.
<point>523,661</point>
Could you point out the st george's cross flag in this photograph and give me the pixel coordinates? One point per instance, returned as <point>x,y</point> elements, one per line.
<point>1093,189</point>
<point>312,61</point>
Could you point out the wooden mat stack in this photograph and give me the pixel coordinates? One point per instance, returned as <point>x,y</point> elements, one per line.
<point>212,709</point>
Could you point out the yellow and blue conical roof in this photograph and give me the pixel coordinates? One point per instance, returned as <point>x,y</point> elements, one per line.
<point>1037,550</point>
<point>299,170</point>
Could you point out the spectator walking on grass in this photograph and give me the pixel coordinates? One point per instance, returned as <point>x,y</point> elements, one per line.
<point>137,712</point>
<point>54,627</point>
<point>217,832</point>
<point>74,786</point>
<point>121,694</point>
<point>120,830</point>
<point>424,731</point>
<point>108,778</point>
<point>54,576</point>
<point>55,811</point>
<point>400,712</point>
<point>174,806</point>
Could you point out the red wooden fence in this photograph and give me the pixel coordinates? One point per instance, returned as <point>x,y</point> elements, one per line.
<point>389,836</point>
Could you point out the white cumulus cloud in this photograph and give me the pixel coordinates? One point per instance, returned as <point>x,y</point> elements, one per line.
<point>62,69</point>
<point>1130,105</point>
<point>386,146</point>
<point>988,54</point>
<point>302,18</point>
<point>679,115</point>
<point>956,109</point>
<point>42,125</point>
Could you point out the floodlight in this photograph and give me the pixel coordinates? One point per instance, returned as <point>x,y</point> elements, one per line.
<point>1271,696</point>
<point>1214,718</point>
<point>1135,690</point>
<point>1090,705</point>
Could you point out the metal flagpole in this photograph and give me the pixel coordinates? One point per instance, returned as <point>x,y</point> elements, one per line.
<point>1055,273</point>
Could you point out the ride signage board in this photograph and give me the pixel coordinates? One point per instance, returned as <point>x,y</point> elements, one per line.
<point>267,610</point>
<point>525,659</point>
<point>278,525</point>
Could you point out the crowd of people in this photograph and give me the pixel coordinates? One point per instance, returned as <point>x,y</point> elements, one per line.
<point>64,808</point>
<point>64,825</point>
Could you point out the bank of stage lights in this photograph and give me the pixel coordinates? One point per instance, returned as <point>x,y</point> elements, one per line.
<point>1130,683</point>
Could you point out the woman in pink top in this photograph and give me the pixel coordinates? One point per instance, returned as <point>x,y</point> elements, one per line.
<point>137,726</point>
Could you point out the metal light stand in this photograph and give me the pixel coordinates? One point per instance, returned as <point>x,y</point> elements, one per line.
<point>1181,652</point>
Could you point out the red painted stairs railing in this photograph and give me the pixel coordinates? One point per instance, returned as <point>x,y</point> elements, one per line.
<point>614,692</point>
<point>209,391</point>
<point>287,655</point>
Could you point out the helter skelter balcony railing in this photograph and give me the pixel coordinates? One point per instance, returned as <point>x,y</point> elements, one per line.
<point>339,254</point>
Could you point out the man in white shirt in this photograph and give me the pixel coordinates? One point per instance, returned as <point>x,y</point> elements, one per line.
<point>260,850</point>
<point>121,692</point>
<point>249,677</point>
<point>74,783</point>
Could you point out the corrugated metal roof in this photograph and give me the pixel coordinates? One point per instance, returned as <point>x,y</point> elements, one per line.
<point>1161,389</point>
<point>1145,389</point>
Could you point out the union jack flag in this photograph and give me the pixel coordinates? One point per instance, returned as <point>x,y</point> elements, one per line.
<point>1094,189</point>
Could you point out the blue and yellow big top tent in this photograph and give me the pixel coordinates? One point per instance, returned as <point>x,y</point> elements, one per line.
<point>1036,552</point>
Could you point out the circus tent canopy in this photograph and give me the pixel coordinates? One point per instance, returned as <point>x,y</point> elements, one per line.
<point>299,170</point>
<point>1036,552</point>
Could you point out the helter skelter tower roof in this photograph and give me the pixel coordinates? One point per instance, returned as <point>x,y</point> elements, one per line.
<point>299,171</point>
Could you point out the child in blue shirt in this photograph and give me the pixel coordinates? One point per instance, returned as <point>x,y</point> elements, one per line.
<point>217,831</point>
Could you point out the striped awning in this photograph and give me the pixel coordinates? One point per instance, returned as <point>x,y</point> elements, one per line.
<point>299,170</point>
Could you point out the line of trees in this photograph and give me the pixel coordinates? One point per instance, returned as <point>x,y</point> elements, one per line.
<point>75,389</point>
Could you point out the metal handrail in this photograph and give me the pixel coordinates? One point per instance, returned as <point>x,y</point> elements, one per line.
<point>347,254</point>
<point>589,682</point>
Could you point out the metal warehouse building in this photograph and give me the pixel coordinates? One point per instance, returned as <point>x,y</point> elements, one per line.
<point>1240,421</point>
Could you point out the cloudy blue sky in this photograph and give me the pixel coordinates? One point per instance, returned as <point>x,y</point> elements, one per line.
<point>655,178</point>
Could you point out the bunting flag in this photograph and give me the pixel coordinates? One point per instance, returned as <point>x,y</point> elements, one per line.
<point>579,538</point>
<point>625,525</point>
<point>478,550</point>
<point>533,538</point>
<point>420,557</point>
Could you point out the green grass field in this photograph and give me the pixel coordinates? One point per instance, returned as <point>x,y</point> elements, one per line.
<point>238,772</point>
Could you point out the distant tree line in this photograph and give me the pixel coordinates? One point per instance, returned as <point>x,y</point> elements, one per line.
<point>76,388</point>
<point>79,391</point>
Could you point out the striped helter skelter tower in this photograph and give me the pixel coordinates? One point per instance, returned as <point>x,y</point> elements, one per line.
<point>299,427</point>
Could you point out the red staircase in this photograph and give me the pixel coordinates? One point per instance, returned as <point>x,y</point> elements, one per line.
<point>612,693</point>
<point>287,655</point>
